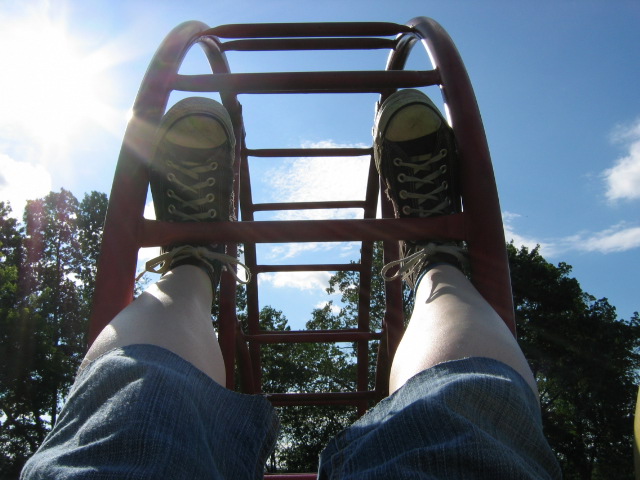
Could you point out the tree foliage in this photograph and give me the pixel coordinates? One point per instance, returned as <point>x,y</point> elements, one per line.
<point>585,361</point>
<point>47,267</point>
<point>584,357</point>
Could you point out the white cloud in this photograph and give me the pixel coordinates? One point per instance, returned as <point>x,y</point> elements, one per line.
<point>305,281</point>
<point>618,238</point>
<point>315,179</point>
<point>623,179</point>
<point>22,181</point>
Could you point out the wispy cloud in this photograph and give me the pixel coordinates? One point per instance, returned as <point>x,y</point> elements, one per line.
<point>623,179</point>
<point>314,179</point>
<point>305,281</point>
<point>22,181</point>
<point>618,238</point>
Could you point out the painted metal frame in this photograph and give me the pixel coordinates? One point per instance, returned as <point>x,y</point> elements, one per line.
<point>479,225</point>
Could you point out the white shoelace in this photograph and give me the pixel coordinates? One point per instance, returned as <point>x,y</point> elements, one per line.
<point>162,263</point>
<point>192,171</point>
<point>411,265</point>
<point>421,164</point>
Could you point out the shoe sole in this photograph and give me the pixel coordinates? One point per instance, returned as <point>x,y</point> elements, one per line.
<point>199,106</point>
<point>393,104</point>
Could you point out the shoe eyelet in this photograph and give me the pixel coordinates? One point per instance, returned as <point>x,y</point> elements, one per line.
<point>171,209</point>
<point>212,213</point>
<point>210,197</point>
<point>443,152</point>
<point>211,181</point>
<point>445,185</point>
<point>406,210</point>
<point>397,161</point>
<point>171,177</point>
<point>403,194</point>
<point>402,177</point>
<point>443,169</point>
<point>171,194</point>
<point>213,166</point>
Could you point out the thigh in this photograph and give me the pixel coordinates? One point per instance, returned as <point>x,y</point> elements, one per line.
<point>471,418</point>
<point>142,412</point>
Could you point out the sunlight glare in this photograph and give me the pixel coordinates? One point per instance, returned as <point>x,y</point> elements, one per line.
<point>52,88</point>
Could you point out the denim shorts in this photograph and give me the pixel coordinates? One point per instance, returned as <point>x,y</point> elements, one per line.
<point>142,412</point>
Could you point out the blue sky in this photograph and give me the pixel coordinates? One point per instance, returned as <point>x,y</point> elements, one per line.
<point>556,83</point>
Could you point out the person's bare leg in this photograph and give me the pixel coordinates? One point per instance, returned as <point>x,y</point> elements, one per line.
<point>174,313</point>
<point>416,156</point>
<point>191,179</point>
<point>452,321</point>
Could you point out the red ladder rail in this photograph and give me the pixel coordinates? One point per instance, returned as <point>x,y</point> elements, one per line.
<point>480,223</point>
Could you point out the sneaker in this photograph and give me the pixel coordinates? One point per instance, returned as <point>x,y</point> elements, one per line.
<point>191,176</point>
<point>415,154</point>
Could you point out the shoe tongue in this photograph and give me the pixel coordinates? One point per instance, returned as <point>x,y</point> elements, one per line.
<point>418,146</point>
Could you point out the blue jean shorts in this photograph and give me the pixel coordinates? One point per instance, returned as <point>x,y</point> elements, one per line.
<point>142,412</point>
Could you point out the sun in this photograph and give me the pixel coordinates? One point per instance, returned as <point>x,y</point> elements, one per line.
<point>51,86</point>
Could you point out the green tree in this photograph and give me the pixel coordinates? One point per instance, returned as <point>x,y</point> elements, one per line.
<point>20,430</point>
<point>47,270</point>
<point>53,265</point>
<point>585,361</point>
<point>583,356</point>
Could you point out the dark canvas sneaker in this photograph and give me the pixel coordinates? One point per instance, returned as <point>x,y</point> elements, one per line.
<point>415,154</point>
<point>191,176</point>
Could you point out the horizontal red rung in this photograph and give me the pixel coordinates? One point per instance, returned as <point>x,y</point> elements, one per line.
<point>308,152</point>
<point>291,476</point>
<point>447,227</point>
<point>329,29</point>
<point>259,45</point>
<point>320,398</point>
<point>265,207</point>
<point>327,267</point>
<point>311,336</point>
<point>307,82</point>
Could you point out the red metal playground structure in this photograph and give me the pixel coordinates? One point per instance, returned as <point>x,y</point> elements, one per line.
<point>479,225</point>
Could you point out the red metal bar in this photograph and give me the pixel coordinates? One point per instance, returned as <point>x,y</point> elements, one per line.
<point>262,207</point>
<point>485,232</point>
<point>119,250</point>
<point>309,152</point>
<point>306,82</point>
<point>328,29</point>
<point>312,336</point>
<point>325,267</point>
<point>448,227</point>
<point>259,45</point>
<point>320,398</point>
<point>291,476</point>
